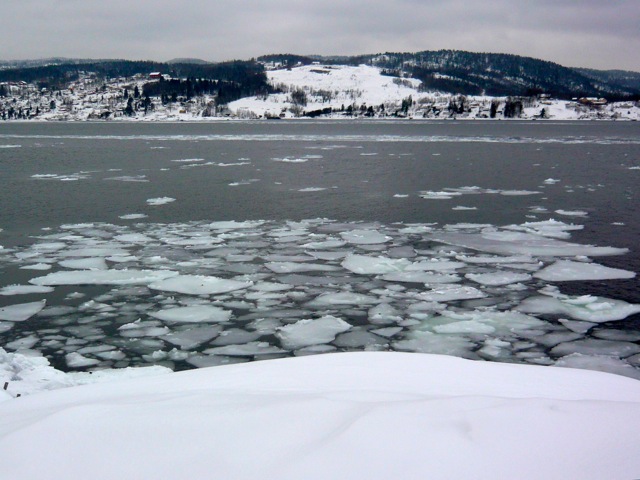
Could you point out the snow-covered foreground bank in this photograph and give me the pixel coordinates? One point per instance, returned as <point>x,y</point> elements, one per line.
<point>353,415</point>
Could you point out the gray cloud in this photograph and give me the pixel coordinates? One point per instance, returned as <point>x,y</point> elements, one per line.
<point>590,33</point>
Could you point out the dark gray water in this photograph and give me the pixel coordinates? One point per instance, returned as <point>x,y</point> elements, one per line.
<point>57,174</point>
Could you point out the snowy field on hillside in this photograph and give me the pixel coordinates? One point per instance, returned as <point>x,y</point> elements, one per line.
<point>352,415</point>
<point>339,86</point>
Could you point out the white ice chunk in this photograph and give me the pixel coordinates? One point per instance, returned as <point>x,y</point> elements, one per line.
<point>436,265</point>
<point>327,255</point>
<point>330,243</point>
<point>464,326</point>
<point>133,238</point>
<point>199,285</point>
<point>509,243</point>
<point>94,252</point>
<point>365,237</point>
<point>592,346</point>
<point>21,311</point>
<point>133,216</point>
<point>271,287</point>
<point>587,307</point>
<point>600,363</point>
<point>485,259</point>
<point>160,200</point>
<point>193,337</point>
<point>296,267</point>
<point>234,225</point>
<point>24,290</point>
<point>498,278</point>
<point>428,342</point>
<point>193,314</point>
<point>359,338</point>
<point>76,360</point>
<point>235,336</point>
<point>311,331</point>
<point>518,192</point>
<point>572,213</point>
<point>103,277</point>
<point>23,343</point>
<point>447,293</point>
<point>365,265</point>
<point>387,332</point>
<point>248,349</point>
<point>342,298</point>
<point>565,270</point>
<point>37,266</point>
<point>85,264</point>
<point>384,314</point>
<point>420,277</point>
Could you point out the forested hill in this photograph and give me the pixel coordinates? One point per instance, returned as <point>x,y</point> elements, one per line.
<point>243,78</point>
<point>493,74</point>
<point>447,71</point>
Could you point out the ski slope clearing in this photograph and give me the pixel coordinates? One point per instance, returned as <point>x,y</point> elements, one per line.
<point>351,415</point>
<point>363,91</point>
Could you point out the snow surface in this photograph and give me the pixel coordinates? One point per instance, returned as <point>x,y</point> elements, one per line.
<point>351,415</point>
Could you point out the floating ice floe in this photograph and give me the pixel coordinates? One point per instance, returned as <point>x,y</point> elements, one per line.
<point>572,213</point>
<point>308,332</point>
<point>130,178</point>
<point>85,264</point>
<point>24,290</point>
<point>364,237</point>
<point>587,307</point>
<point>103,277</point>
<point>566,270</point>
<point>133,216</point>
<point>509,243</point>
<point>193,314</point>
<point>160,200</point>
<point>498,278</point>
<point>22,311</point>
<point>198,285</point>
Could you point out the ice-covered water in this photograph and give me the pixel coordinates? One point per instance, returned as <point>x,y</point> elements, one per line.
<point>245,244</point>
<point>241,293</point>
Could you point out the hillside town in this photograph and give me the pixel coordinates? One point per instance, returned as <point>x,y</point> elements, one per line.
<point>327,91</point>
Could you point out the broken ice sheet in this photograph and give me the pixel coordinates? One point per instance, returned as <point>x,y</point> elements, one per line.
<point>193,314</point>
<point>588,308</point>
<point>246,286</point>
<point>21,311</point>
<point>311,331</point>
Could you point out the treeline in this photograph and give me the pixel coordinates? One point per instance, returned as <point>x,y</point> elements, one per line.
<point>495,74</point>
<point>230,80</point>
<point>469,73</point>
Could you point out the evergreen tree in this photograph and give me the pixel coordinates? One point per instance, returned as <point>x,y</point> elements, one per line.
<point>129,108</point>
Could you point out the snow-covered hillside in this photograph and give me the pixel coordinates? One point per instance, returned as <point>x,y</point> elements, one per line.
<point>330,91</point>
<point>360,415</point>
<point>364,91</point>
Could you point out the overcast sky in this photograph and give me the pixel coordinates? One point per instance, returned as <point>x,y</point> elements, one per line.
<point>582,33</point>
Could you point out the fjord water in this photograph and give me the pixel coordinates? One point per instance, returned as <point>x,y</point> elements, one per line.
<point>379,172</point>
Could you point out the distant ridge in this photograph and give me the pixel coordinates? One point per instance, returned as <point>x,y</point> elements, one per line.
<point>495,74</point>
<point>188,61</point>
